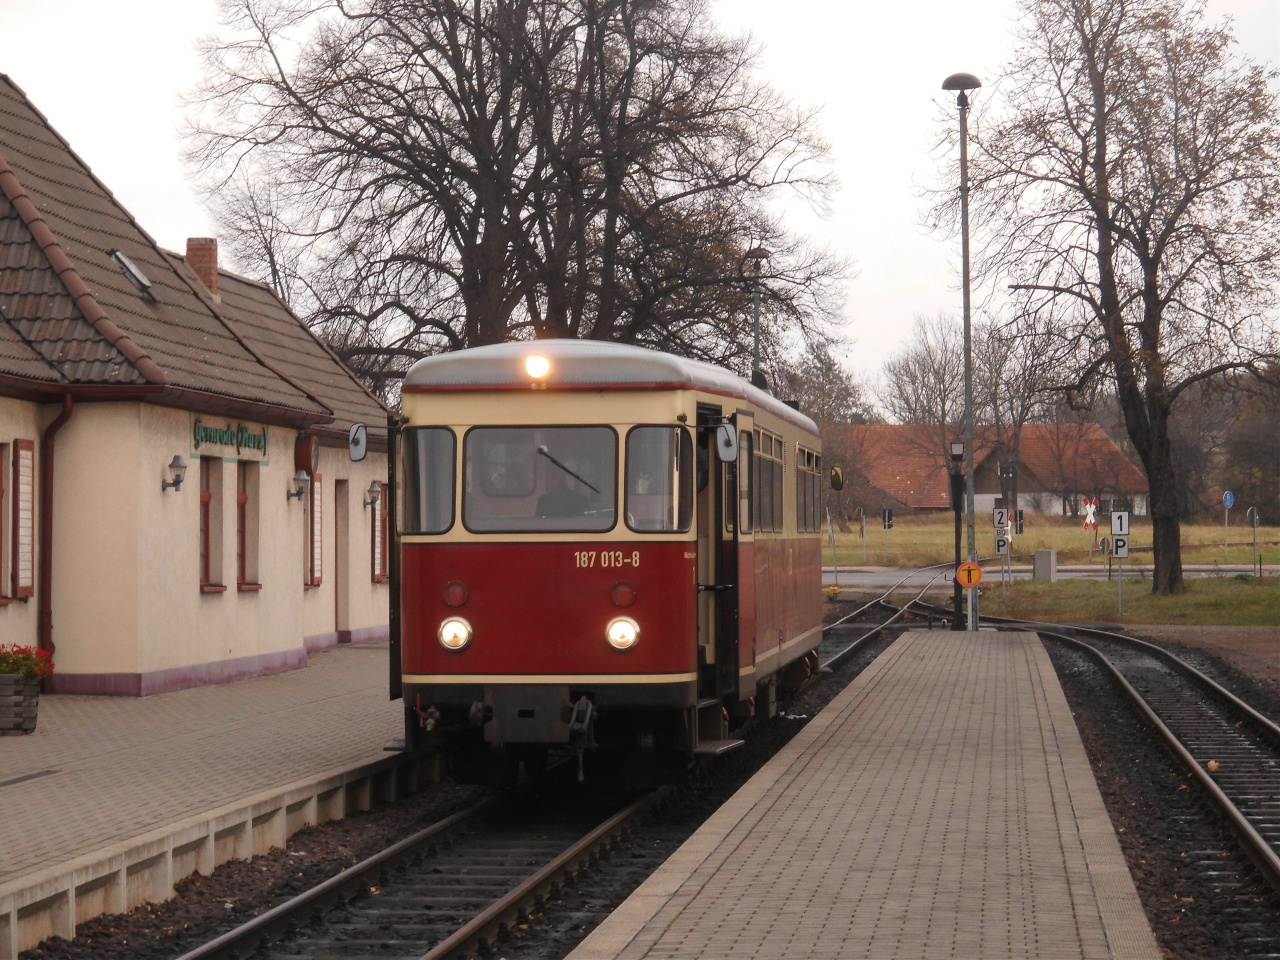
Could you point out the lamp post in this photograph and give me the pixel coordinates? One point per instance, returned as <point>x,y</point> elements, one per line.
<point>955,467</point>
<point>962,83</point>
<point>757,254</point>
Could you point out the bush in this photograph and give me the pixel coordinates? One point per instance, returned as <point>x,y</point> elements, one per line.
<point>27,661</point>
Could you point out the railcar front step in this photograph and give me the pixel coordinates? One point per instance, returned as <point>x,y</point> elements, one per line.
<point>713,748</point>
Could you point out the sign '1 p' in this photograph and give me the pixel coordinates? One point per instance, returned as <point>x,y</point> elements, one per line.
<point>1120,523</point>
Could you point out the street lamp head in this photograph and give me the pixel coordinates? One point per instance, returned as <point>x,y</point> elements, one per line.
<point>957,449</point>
<point>961,81</point>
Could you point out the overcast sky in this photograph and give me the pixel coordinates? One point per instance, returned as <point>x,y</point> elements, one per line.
<point>109,77</point>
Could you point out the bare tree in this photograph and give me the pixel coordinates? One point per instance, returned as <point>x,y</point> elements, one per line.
<point>450,173</point>
<point>1011,378</point>
<point>1127,188</point>
<point>835,399</point>
<point>923,383</point>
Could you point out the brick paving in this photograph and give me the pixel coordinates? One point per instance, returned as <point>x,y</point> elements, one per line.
<point>941,806</point>
<point>111,768</point>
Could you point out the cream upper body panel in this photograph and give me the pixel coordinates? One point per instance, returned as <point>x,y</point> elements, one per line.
<point>587,384</point>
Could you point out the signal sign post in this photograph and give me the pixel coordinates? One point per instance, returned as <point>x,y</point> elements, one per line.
<point>1000,519</point>
<point>1253,518</point>
<point>1120,549</point>
<point>969,574</point>
<point>886,517</point>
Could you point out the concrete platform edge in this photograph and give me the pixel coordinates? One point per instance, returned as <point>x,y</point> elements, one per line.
<point>621,927</point>
<point>145,868</point>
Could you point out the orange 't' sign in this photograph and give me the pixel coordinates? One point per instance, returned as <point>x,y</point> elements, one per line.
<point>969,574</point>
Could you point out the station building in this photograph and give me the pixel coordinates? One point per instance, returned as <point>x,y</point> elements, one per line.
<point>177,503</point>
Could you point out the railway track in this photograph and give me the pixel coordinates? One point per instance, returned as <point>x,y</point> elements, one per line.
<point>448,890</point>
<point>455,888</point>
<point>1231,748</point>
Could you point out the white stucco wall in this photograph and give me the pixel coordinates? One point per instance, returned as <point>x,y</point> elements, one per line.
<point>127,596</point>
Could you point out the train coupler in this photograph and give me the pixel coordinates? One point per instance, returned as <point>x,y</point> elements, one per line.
<point>582,730</point>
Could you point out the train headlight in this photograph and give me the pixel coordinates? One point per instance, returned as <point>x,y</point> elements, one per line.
<point>455,634</point>
<point>537,366</point>
<point>623,633</point>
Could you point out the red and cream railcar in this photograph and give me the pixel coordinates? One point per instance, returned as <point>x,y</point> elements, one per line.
<point>601,549</point>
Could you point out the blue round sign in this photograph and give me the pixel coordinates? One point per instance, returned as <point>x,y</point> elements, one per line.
<point>1228,500</point>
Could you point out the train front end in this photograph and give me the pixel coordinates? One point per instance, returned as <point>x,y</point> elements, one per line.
<point>547,564</point>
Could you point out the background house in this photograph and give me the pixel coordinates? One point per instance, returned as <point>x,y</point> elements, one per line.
<point>1057,466</point>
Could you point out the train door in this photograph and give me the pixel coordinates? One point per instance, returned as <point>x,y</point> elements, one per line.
<point>742,548</point>
<point>715,644</point>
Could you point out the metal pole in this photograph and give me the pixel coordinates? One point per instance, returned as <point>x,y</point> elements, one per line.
<point>1120,582</point>
<point>1226,529</point>
<point>962,101</point>
<point>755,325</point>
<point>956,623</point>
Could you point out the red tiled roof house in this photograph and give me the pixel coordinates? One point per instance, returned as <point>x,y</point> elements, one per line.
<point>118,360</point>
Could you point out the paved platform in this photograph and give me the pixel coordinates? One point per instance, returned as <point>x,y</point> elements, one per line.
<point>98,770</point>
<point>941,806</point>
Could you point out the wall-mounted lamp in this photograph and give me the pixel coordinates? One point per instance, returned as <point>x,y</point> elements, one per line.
<point>374,493</point>
<point>177,470</point>
<point>300,483</point>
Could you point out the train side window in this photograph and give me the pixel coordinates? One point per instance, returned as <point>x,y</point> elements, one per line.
<point>426,480</point>
<point>744,482</point>
<point>659,487</point>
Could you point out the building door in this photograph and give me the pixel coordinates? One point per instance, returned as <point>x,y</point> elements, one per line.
<point>342,561</point>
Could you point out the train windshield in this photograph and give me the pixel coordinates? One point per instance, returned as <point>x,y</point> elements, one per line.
<point>426,480</point>
<point>659,479</point>
<point>540,479</point>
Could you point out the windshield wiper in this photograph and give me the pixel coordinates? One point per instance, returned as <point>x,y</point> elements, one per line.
<point>543,452</point>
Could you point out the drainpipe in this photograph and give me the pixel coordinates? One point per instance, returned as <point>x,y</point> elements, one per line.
<point>45,612</point>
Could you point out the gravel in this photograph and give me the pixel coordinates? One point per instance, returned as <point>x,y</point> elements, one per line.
<point>1203,897</point>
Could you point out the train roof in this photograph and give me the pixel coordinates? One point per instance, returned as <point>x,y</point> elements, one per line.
<point>587,364</point>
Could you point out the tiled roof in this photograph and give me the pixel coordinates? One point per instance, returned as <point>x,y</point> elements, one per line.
<point>65,295</point>
<point>1077,457</point>
<point>290,347</point>
<point>909,462</point>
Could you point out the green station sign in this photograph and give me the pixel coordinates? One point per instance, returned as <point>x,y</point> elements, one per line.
<point>240,436</point>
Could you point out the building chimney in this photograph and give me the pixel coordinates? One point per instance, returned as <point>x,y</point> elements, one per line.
<point>202,257</point>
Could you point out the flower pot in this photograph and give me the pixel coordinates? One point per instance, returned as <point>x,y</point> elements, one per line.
<point>19,699</point>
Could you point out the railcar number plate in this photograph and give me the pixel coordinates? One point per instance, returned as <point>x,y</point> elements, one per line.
<point>608,558</point>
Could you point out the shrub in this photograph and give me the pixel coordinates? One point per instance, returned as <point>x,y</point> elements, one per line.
<point>27,661</point>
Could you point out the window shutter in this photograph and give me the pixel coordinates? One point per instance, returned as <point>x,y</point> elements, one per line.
<point>378,550</point>
<point>317,529</point>
<point>24,518</point>
<point>375,548</point>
